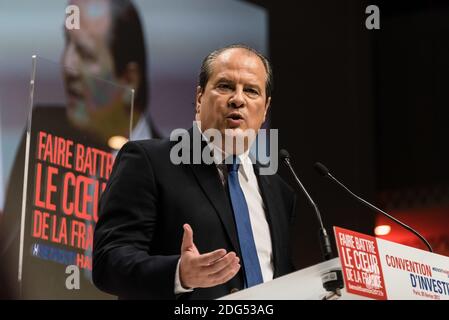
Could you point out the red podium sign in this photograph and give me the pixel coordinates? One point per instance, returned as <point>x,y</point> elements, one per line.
<point>360,263</point>
<point>381,269</point>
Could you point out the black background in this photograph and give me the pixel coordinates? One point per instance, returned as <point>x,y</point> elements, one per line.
<point>372,105</point>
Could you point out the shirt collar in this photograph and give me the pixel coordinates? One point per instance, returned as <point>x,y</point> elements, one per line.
<point>244,158</point>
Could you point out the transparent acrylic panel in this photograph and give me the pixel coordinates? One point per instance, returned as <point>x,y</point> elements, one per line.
<point>2,148</point>
<point>14,100</point>
<point>76,124</point>
<point>14,96</point>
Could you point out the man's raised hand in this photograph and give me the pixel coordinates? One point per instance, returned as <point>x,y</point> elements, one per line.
<point>205,270</point>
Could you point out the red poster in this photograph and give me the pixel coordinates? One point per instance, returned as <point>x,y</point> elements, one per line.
<point>360,263</point>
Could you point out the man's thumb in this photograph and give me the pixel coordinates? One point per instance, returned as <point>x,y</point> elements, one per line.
<point>187,238</point>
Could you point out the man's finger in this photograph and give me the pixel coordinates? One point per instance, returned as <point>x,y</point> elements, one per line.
<point>224,275</point>
<point>207,259</point>
<point>187,238</point>
<point>223,263</point>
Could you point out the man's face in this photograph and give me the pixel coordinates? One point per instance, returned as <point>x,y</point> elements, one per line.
<point>234,97</point>
<point>87,58</point>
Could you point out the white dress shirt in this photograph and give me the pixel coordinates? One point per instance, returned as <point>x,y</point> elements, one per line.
<point>256,208</point>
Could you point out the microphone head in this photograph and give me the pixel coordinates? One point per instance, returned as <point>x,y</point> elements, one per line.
<point>284,154</point>
<point>321,169</point>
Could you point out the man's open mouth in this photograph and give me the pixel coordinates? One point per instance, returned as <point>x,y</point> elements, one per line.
<point>235,116</point>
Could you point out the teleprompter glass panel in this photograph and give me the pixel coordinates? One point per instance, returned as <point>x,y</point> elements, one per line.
<point>76,125</point>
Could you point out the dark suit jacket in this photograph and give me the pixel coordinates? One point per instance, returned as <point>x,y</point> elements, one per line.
<point>143,208</point>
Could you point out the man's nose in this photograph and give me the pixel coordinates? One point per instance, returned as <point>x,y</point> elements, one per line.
<point>71,61</point>
<point>237,100</point>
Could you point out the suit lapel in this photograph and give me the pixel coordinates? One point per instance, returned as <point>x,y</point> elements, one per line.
<point>209,180</point>
<point>271,211</point>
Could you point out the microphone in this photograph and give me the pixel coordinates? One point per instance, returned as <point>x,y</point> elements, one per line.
<point>322,170</point>
<point>324,238</point>
<point>333,278</point>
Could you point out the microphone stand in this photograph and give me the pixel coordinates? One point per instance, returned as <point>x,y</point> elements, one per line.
<point>325,172</point>
<point>333,279</point>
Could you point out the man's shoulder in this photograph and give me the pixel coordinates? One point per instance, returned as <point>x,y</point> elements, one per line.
<point>157,151</point>
<point>275,179</point>
<point>284,185</point>
<point>160,146</point>
<point>152,147</point>
<point>150,144</point>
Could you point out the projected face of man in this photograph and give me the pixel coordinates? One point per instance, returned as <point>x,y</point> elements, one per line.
<point>93,103</point>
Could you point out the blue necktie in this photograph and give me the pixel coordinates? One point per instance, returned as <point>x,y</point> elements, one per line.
<point>245,233</point>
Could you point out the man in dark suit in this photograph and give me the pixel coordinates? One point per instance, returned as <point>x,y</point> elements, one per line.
<point>234,220</point>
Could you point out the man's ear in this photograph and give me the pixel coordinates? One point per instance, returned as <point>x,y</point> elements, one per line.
<point>198,97</point>
<point>267,106</point>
